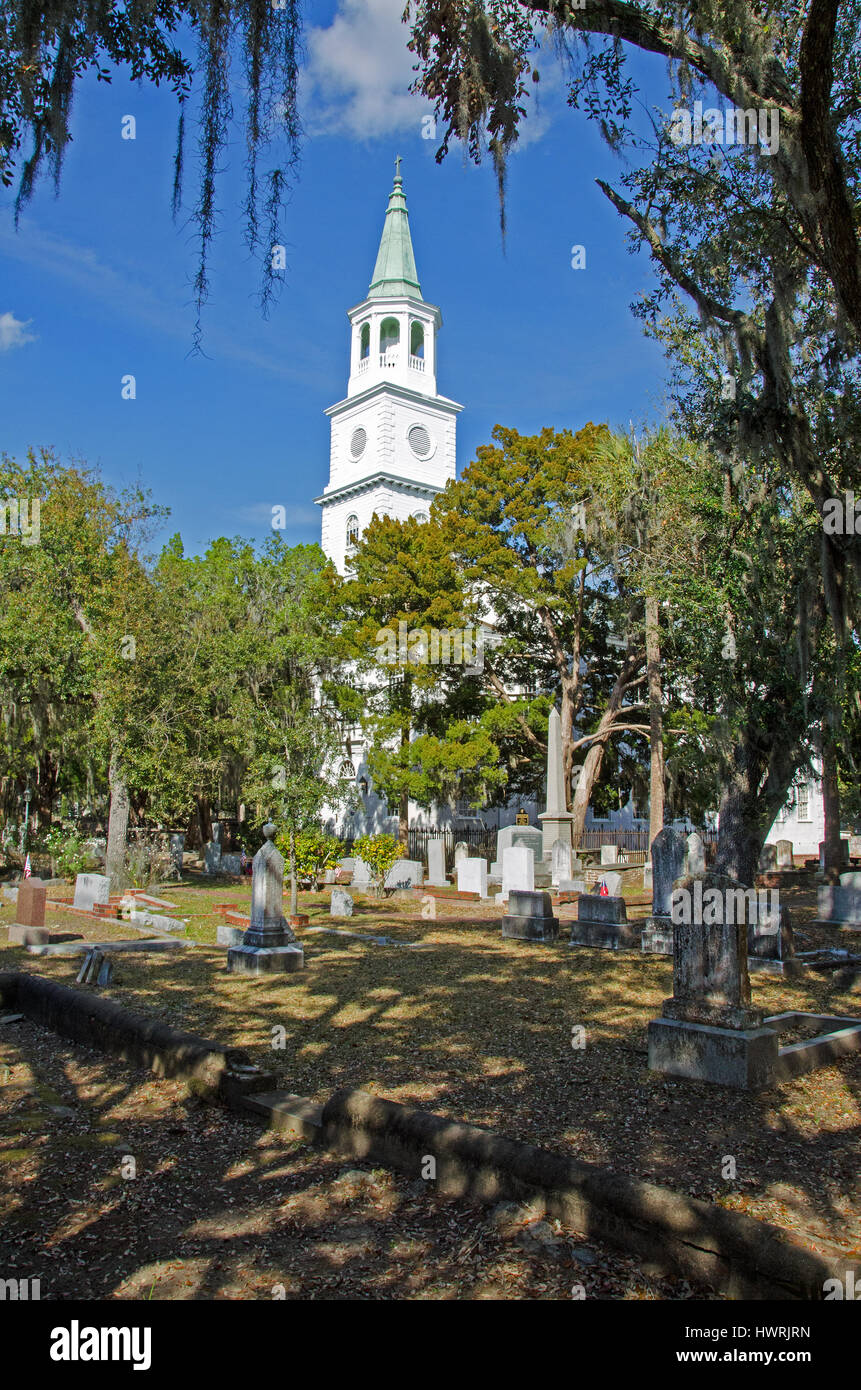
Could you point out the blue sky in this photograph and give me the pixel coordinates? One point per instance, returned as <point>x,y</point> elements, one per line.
<point>97,284</point>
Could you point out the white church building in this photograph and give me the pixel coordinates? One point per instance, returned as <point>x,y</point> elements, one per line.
<point>392,449</point>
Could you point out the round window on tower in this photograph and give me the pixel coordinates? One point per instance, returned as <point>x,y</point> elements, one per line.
<point>357,443</point>
<point>420,441</point>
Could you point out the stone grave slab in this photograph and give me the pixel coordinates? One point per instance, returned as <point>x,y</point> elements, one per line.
<point>405,873</point>
<point>518,870</point>
<point>91,889</point>
<point>530,916</point>
<point>341,903</point>
<point>472,877</point>
<point>436,864</point>
<point>603,922</point>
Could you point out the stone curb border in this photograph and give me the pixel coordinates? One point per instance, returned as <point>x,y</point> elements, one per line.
<point>97,1022</point>
<point>672,1233</point>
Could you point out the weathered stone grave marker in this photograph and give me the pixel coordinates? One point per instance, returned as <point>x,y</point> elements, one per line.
<point>269,944</point>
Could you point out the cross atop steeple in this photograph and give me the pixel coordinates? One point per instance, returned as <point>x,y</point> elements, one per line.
<point>395,269</point>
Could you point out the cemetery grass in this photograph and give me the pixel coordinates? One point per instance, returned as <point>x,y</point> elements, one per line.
<point>480,1029</point>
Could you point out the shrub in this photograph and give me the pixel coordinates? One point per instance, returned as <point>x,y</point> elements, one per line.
<point>379,852</point>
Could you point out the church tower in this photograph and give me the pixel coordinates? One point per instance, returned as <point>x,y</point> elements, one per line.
<point>393,436</point>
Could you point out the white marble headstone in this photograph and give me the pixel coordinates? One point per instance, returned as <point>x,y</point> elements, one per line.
<point>518,870</point>
<point>436,863</point>
<point>472,876</point>
<point>90,889</point>
<point>560,862</point>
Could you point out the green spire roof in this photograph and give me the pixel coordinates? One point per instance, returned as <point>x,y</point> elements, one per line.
<point>395,271</point>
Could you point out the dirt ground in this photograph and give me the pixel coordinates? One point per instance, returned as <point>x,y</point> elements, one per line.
<point>218,1209</point>
<point>455,1019</point>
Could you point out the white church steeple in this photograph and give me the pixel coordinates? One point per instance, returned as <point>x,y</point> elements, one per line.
<point>393,436</point>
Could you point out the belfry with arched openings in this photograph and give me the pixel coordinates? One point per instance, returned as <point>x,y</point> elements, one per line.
<point>393,437</point>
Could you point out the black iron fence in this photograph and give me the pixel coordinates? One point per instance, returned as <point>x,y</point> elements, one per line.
<point>481,841</point>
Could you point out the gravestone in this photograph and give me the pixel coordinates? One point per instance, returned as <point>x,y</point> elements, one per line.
<point>436,863</point>
<point>647,875</point>
<point>696,855</point>
<point>556,818</point>
<point>770,941</point>
<point>212,857</point>
<point>784,854</point>
<point>530,916</point>
<point>90,889</point>
<point>177,847</point>
<point>517,837</point>
<point>669,852</point>
<point>362,875</point>
<point>854,843</point>
<point>341,903</point>
<point>225,935</point>
<point>560,859</point>
<point>840,904</point>
<point>518,870</point>
<point>269,944</point>
<point>30,907</point>
<point>405,873</point>
<point>613,882</point>
<point>602,922</point>
<point>572,885</point>
<point>708,1030</point>
<point>767,859</point>
<point>472,877</point>
<point>461,851</point>
<point>231,864</point>
<point>843,853</point>
<point>609,854</point>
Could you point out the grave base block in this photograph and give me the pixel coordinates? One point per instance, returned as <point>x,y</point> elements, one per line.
<point>724,1056</point>
<point>265,960</point>
<point>225,935</point>
<point>789,969</point>
<point>658,936</point>
<point>610,936</point>
<point>530,928</point>
<point>27,936</point>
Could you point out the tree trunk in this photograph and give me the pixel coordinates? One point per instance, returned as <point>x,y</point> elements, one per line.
<point>569,695</point>
<point>294,887</point>
<point>204,819</point>
<point>46,789</point>
<point>656,720</point>
<point>118,825</point>
<point>831,807</point>
<point>591,768</point>
<point>583,795</point>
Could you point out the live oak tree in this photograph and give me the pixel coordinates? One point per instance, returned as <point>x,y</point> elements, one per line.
<point>763,246</point>
<point>62,630</point>
<point>502,547</point>
<point>46,49</point>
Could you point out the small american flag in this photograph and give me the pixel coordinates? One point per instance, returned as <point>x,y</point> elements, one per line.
<point>603,891</point>
<point>27,869</point>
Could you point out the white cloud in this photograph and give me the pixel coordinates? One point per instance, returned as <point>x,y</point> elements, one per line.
<point>359,73</point>
<point>13,332</point>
